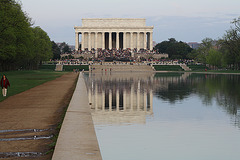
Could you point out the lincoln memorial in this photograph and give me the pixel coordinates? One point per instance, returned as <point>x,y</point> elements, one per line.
<point>118,33</point>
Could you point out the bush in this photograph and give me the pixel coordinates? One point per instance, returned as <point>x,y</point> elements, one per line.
<point>47,67</point>
<point>167,68</point>
<point>71,67</point>
<point>198,67</point>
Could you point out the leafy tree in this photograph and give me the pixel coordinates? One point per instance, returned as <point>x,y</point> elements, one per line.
<point>56,50</point>
<point>204,49</point>
<point>64,48</point>
<point>173,48</point>
<point>193,54</point>
<point>21,46</point>
<point>236,23</point>
<point>214,58</point>
<point>15,34</point>
<point>42,45</point>
<point>231,44</point>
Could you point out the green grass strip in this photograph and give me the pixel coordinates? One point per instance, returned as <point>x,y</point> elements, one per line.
<point>167,68</point>
<point>21,81</point>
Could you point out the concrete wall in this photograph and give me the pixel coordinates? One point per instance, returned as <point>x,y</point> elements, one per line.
<point>77,138</point>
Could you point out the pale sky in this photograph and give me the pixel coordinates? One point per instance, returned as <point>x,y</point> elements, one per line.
<point>185,20</point>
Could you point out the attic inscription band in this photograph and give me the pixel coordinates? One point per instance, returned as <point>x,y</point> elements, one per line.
<point>115,33</point>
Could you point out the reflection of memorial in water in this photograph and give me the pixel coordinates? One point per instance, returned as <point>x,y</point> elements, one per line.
<point>119,98</point>
<point>126,97</point>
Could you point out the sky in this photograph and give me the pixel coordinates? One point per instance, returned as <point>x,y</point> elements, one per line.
<point>184,20</point>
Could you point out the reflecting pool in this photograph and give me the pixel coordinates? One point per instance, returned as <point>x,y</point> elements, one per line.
<point>166,116</point>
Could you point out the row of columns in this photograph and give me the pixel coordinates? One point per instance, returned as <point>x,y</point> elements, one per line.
<point>96,99</point>
<point>110,40</point>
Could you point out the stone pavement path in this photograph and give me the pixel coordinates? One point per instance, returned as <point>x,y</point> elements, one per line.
<point>29,119</point>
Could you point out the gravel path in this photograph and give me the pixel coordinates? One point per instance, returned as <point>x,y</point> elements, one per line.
<point>28,120</point>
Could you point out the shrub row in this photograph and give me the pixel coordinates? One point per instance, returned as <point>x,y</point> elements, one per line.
<point>198,67</point>
<point>167,68</point>
<point>65,67</point>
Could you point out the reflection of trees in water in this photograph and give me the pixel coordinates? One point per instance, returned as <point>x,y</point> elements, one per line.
<point>175,92</point>
<point>171,86</point>
<point>224,89</point>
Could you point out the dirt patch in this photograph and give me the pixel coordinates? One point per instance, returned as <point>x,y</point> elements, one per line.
<point>29,120</point>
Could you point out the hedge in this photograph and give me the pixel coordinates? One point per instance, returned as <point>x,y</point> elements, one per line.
<point>167,68</point>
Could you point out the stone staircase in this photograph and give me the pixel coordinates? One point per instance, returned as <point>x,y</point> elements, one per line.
<point>59,67</point>
<point>120,68</point>
<point>185,67</point>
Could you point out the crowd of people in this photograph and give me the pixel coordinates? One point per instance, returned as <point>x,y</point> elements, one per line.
<point>114,54</point>
<point>125,55</point>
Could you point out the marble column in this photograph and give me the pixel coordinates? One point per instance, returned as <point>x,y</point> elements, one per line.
<point>117,40</point>
<point>138,95</point>
<point>151,40</point>
<point>144,40</point>
<point>103,40</point>
<point>132,97</point>
<point>117,100</point>
<point>96,40</point>
<point>131,42</point>
<point>103,100</point>
<point>89,41</point>
<point>138,42</point>
<point>110,100</point>
<point>145,100</point>
<point>110,40</point>
<point>76,41</point>
<point>124,100</point>
<point>151,100</point>
<point>96,97</point>
<point>82,43</point>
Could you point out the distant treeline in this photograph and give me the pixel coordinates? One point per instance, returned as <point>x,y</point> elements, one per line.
<point>223,53</point>
<point>22,46</point>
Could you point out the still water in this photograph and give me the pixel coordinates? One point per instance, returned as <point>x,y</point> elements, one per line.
<point>166,116</point>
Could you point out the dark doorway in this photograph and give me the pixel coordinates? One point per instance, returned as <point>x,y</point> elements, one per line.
<point>106,100</point>
<point>121,100</point>
<point>121,40</point>
<point>106,40</point>
<point>114,35</point>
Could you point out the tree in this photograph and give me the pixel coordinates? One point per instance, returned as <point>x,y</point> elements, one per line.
<point>204,49</point>
<point>173,48</point>
<point>214,58</point>
<point>64,48</point>
<point>15,34</point>
<point>230,45</point>
<point>56,51</point>
<point>21,46</point>
<point>236,23</point>
<point>42,45</point>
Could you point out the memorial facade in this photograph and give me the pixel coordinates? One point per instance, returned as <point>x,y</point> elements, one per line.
<point>114,33</point>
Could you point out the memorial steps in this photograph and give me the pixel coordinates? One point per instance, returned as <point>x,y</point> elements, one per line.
<point>120,68</point>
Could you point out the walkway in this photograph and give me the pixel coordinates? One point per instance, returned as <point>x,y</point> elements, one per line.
<point>77,139</point>
<point>29,119</point>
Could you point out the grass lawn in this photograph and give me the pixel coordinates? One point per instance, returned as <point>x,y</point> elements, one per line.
<point>23,80</point>
<point>198,67</point>
<point>65,67</point>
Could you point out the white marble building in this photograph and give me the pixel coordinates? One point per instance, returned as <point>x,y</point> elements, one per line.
<point>109,33</point>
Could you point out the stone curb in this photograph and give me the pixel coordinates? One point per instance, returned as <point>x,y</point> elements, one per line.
<point>77,138</point>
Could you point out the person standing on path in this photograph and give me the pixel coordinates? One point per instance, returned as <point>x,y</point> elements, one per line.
<point>4,84</point>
